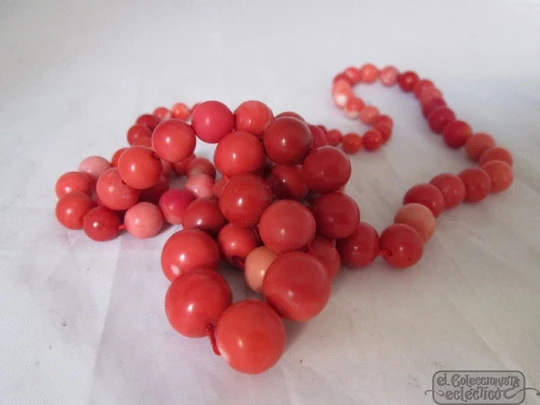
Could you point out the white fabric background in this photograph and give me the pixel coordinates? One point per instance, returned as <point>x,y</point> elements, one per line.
<point>83,323</point>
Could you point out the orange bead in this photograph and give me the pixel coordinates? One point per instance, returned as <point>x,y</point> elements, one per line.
<point>419,217</point>
<point>368,114</point>
<point>257,262</point>
<point>500,173</point>
<point>477,144</point>
<point>352,143</point>
<point>496,153</point>
<point>180,111</point>
<point>369,73</point>
<point>388,76</point>
<point>372,140</point>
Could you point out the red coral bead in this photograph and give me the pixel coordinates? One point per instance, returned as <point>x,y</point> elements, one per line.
<point>140,167</point>
<point>113,193</point>
<point>433,104</point>
<point>326,169</point>
<point>74,181</point>
<point>369,73</point>
<point>352,143</point>
<point>336,215</point>
<point>496,153</point>
<point>148,120</point>
<point>204,214</point>
<point>143,220</point>
<point>287,140</point>
<point>116,157</point>
<point>325,250</point>
<point>402,246</point>
<point>201,166</point>
<point>94,166</point>
<point>287,182</point>
<point>236,243</point>
<point>419,217</point>
<point>212,120</point>
<point>101,224</point>
<point>407,81</point>
<point>388,76</point>
<point>451,187</point>
<point>476,145</point>
<point>239,153</point>
<point>439,118</point>
<point>456,133</point>
<point>174,203</point>
<point>428,195</point>
<point>174,140</point>
<point>477,184</point>
<point>372,140</point>
<point>162,113</point>
<point>253,116</point>
<point>334,137</point>
<point>180,111</point>
<point>500,173</point>
<point>360,248</point>
<point>71,209</point>
<point>421,85</point>
<point>318,136</point>
<point>200,185</point>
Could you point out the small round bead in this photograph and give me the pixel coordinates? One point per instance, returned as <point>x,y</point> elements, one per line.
<point>352,143</point>
<point>353,106</point>
<point>143,220</point>
<point>326,169</point>
<point>204,214</point>
<point>287,183</point>
<point>388,76</point>
<point>218,187</point>
<point>250,336</point>
<point>101,224</point>
<point>212,120</point>
<point>116,157</point>
<point>354,74</point>
<point>429,93</point>
<point>201,165</point>
<point>188,250</point>
<point>477,144</point>
<point>180,111</point>
<point>162,113</point>
<point>318,136</point>
<point>439,118</point>
<point>94,166</point>
<point>334,137</point>
<point>336,215</point>
<point>287,225</point>
<point>140,167</point>
<point>138,131</point>
<point>372,140</point>
<point>253,117</point>
<point>407,81</point>
<point>451,187</point>
<point>428,195</point>
<point>173,204</point>
<point>114,193</point>
<point>419,217</point>
<point>287,140</point>
<point>325,250</point>
<point>477,184</point>
<point>236,243</point>
<point>402,245</point>
<point>420,86</point>
<point>239,153</point>
<point>143,141</point>
<point>148,120</point>
<point>369,73</point>
<point>429,107</point>
<point>180,168</point>
<point>500,173</point>
<point>74,181</point>
<point>290,114</point>
<point>368,114</point>
<point>360,248</point>
<point>154,193</point>
<point>341,93</point>
<point>383,120</point>
<point>256,265</point>
<point>174,140</point>
<point>341,78</point>
<point>456,133</point>
<point>196,300</point>
<point>71,209</point>
<point>200,185</point>
<point>496,153</point>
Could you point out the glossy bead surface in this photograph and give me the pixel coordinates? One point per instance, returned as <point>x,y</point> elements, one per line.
<point>451,187</point>
<point>372,140</point>
<point>253,116</point>
<point>94,166</point>
<point>200,185</point>
<point>476,145</point>
<point>407,81</point>
<point>74,181</point>
<point>286,225</point>
<point>71,209</point>
<point>140,167</point>
<point>148,120</point>
<point>201,165</point>
<point>287,183</point>
<point>143,220</point>
<point>287,140</point>
<point>114,193</point>
<point>188,250</point>
<point>352,143</point>
<point>388,76</point>
<point>173,204</point>
<point>334,137</point>
<point>326,169</point>
<point>419,217</point>
<point>420,86</point>
<point>239,153</point>
<point>325,250</point>
<point>101,224</point>
<point>360,248</point>
<point>256,265</point>
<point>236,243</point>
<point>212,120</point>
<point>244,199</point>
<point>336,215</point>
<point>439,118</point>
<point>402,244</point>
<point>204,214</point>
<point>496,153</point>
<point>174,140</point>
<point>162,113</point>
<point>428,195</point>
<point>456,133</point>
<point>477,184</point>
<point>138,131</point>
<point>500,173</point>
<point>250,336</point>
<point>116,157</point>
<point>180,111</point>
<point>195,300</point>
<point>297,286</point>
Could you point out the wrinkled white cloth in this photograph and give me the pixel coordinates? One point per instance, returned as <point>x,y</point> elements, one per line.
<point>83,322</point>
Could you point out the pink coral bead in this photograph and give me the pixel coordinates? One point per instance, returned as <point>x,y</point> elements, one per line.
<point>388,76</point>
<point>368,114</point>
<point>256,265</point>
<point>418,217</point>
<point>94,166</point>
<point>200,185</point>
<point>143,220</point>
<point>369,73</point>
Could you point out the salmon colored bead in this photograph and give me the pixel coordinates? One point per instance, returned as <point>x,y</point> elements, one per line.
<point>162,113</point>
<point>419,217</point>
<point>113,193</point>
<point>388,76</point>
<point>180,111</point>
<point>140,167</point>
<point>201,166</point>
<point>477,144</point>
<point>352,143</point>
<point>439,118</point>
<point>353,74</point>
<point>456,133</point>
<point>148,120</point>
<point>116,157</point>
<point>496,153</point>
<point>94,166</point>
<point>256,265</point>
<point>174,140</point>
<point>407,81</point>
<point>334,137</point>
<point>430,106</point>
<point>361,248</point>
<point>368,114</point>
<point>353,106</point>
<point>421,85</point>
<point>428,195</point>
<point>101,224</point>
<point>341,93</point>
<point>401,246</point>
<point>500,173</point>
<point>372,140</point>
<point>253,116</point>
<point>477,183</point>
<point>143,220</point>
<point>72,208</point>
<point>200,185</point>
<point>174,203</point>
<point>212,120</point>
<point>74,181</point>
<point>451,187</point>
<point>369,73</point>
